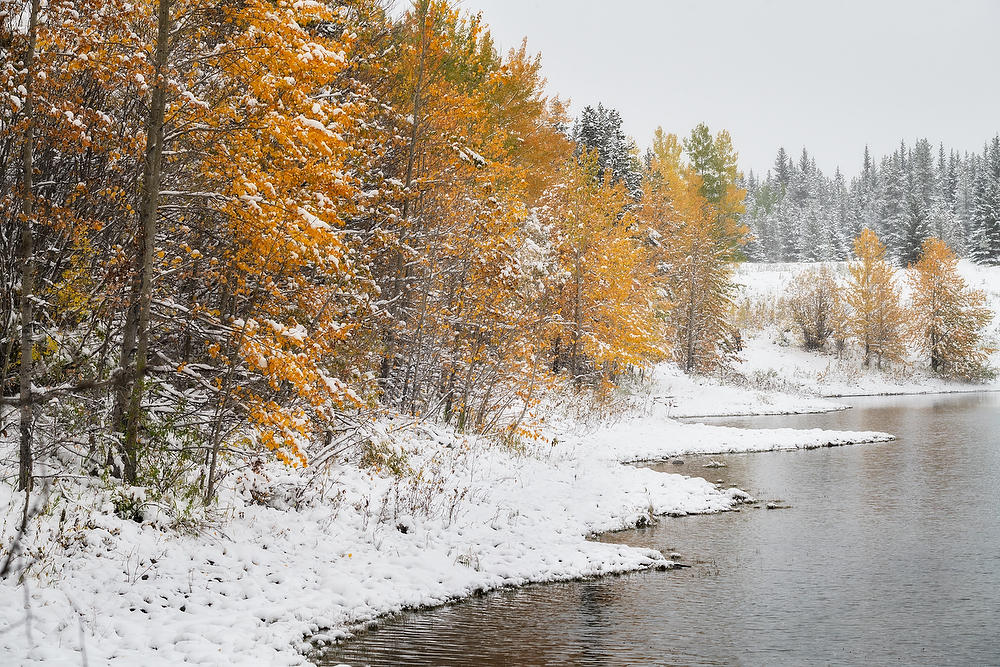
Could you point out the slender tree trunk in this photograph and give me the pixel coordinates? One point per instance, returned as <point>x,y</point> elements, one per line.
<point>574,357</point>
<point>142,284</point>
<point>389,362</point>
<point>690,361</point>
<point>935,352</point>
<point>24,476</point>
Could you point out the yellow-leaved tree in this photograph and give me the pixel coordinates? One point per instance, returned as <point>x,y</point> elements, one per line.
<point>948,316</point>
<point>606,297</point>
<point>694,254</point>
<point>878,319</point>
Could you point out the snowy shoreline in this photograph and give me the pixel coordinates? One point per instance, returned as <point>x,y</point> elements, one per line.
<point>265,579</point>
<point>789,440</point>
<point>986,389</point>
<point>288,559</point>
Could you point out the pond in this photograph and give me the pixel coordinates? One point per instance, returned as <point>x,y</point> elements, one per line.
<point>885,553</point>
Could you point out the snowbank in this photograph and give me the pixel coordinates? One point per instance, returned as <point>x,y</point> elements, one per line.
<point>654,437</point>
<point>265,576</point>
<point>689,396</point>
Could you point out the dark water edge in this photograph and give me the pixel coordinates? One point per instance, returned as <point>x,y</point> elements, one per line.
<point>886,554</point>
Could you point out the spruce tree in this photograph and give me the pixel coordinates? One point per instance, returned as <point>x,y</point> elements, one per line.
<point>600,129</point>
<point>921,199</point>
<point>986,210</point>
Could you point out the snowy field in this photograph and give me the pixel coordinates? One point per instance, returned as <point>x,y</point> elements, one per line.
<point>289,556</point>
<point>699,396</point>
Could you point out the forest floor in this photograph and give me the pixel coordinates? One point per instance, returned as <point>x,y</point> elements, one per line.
<point>290,555</point>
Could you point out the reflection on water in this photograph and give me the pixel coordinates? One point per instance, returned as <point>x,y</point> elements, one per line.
<point>888,553</point>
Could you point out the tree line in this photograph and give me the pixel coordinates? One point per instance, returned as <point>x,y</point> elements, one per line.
<point>240,228</point>
<point>797,213</point>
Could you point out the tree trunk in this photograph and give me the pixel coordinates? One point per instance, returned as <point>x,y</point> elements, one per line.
<point>690,361</point>
<point>24,476</point>
<point>142,283</point>
<point>400,285</point>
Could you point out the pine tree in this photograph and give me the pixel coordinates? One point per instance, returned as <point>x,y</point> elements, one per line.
<point>601,130</point>
<point>893,223</point>
<point>986,211</point>
<point>782,170</point>
<point>922,200</point>
<point>840,218</point>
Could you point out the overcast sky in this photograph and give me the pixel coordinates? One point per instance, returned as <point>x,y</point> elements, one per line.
<point>831,76</point>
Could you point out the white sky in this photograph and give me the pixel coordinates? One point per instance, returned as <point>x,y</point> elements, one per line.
<point>831,76</point>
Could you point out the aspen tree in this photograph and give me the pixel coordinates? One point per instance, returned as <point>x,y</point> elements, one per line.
<point>606,294</point>
<point>24,479</point>
<point>695,253</point>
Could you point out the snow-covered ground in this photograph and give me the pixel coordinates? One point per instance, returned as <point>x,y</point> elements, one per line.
<point>700,396</point>
<point>262,575</point>
<point>291,555</point>
<point>772,357</point>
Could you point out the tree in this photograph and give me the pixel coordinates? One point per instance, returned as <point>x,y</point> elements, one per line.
<point>877,319</point>
<point>26,251</point>
<point>986,206</point>
<point>904,198</point>
<point>134,361</point>
<point>949,317</point>
<point>601,130</point>
<point>715,161</point>
<point>815,302</point>
<point>695,257</point>
<point>606,298</point>
<point>782,170</point>
<point>922,199</point>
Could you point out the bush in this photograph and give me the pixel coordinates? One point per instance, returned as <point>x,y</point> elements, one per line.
<point>815,303</point>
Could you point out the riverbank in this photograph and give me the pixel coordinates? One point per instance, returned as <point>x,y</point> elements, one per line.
<point>879,555</point>
<point>288,554</point>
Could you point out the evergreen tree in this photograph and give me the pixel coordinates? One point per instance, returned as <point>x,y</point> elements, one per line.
<point>986,211</point>
<point>715,161</point>
<point>893,190</point>
<point>904,198</point>
<point>782,169</point>
<point>600,129</point>
<point>922,199</point>
<point>840,218</point>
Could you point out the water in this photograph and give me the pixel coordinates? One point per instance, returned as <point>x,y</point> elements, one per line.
<point>887,554</point>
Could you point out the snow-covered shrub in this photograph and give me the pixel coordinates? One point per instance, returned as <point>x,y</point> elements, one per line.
<point>384,454</point>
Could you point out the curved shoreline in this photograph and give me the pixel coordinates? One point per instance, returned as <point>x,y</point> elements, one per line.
<point>663,563</point>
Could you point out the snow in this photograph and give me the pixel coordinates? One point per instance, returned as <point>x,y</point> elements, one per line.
<point>650,439</point>
<point>691,396</point>
<point>772,357</point>
<point>290,554</point>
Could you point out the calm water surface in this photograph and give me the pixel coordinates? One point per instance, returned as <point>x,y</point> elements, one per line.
<point>887,554</point>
